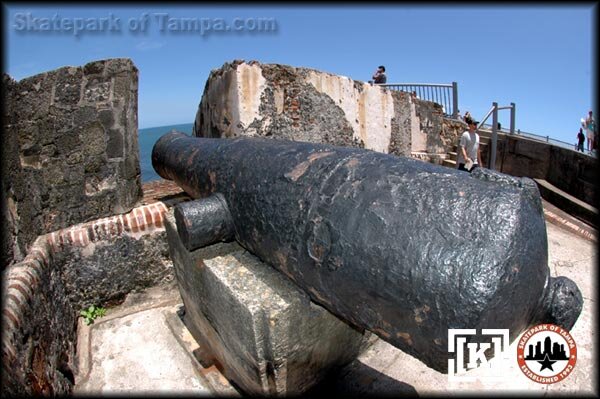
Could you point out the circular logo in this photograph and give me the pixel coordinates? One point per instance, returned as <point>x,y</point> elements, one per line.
<point>546,353</point>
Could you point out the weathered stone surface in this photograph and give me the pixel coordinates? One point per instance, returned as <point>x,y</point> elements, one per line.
<point>40,359</point>
<point>265,333</point>
<point>451,131</point>
<point>402,124</point>
<point>107,270</point>
<point>430,117</point>
<point>574,173</point>
<point>302,104</point>
<point>11,247</point>
<point>95,263</point>
<point>61,129</point>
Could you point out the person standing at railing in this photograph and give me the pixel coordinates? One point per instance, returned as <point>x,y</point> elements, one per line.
<point>590,127</point>
<point>469,154</point>
<point>580,140</point>
<point>379,76</point>
<point>595,147</point>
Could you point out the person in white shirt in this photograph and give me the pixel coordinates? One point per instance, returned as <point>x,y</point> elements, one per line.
<point>590,127</point>
<point>469,155</point>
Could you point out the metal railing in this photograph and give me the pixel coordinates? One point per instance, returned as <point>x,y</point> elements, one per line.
<point>537,137</point>
<point>441,93</point>
<point>494,113</point>
<point>494,128</point>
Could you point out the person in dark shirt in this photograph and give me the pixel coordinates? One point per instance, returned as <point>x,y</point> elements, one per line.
<point>580,139</point>
<point>379,75</point>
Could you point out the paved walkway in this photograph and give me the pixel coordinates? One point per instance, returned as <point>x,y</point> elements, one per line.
<point>142,347</point>
<point>569,223</point>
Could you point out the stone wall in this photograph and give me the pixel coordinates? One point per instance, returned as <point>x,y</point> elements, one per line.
<point>70,149</point>
<point>302,104</point>
<point>452,129</point>
<point>38,328</point>
<point>98,263</point>
<point>574,173</point>
<point>10,167</point>
<point>430,117</point>
<point>110,257</point>
<point>522,157</point>
<point>569,170</point>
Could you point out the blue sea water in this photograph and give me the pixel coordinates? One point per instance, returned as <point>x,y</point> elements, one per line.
<point>146,139</point>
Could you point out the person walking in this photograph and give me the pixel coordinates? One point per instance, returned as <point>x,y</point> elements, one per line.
<point>469,154</point>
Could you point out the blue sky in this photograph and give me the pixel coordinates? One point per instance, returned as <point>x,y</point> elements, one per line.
<point>539,57</point>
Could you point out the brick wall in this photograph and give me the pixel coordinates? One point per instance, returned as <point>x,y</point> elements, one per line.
<point>64,272</point>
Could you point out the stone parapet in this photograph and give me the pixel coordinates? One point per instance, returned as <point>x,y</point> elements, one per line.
<point>71,149</point>
<point>302,104</point>
<point>65,271</point>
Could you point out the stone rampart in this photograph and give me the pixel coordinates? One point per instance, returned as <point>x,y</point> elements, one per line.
<point>280,101</point>
<point>70,149</point>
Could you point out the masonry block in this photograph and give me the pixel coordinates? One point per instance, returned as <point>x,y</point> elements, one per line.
<point>260,329</point>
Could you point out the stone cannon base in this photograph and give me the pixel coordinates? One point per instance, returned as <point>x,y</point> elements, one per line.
<point>259,329</point>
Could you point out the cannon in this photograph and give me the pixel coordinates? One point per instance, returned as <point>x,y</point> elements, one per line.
<point>397,246</point>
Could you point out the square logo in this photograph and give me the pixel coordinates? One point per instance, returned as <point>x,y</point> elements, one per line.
<point>469,349</point>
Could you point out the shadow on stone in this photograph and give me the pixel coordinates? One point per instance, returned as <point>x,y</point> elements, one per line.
<point>359,380</point>
<point>173,199</point>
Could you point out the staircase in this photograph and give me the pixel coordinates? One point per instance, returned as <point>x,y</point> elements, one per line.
<point>484,142</point>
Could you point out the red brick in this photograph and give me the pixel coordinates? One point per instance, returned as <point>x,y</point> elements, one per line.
<point>27,283</point>
<point>35,279</point>
<point>132,222</point>
<point>10,316</point>
<point>22,290</point>
<point>148,216</point>
<point>16,300</point>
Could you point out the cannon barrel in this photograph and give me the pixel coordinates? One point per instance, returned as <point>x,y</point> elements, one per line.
<point>400,247</point>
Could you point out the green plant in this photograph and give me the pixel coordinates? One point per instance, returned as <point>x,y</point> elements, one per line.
<point>91,313</point>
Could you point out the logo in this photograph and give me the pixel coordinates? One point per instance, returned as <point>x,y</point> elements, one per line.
<point>546,353</point>
<point>470,349</point>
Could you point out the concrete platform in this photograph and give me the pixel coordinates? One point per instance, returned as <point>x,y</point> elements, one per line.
<point>142,347</point>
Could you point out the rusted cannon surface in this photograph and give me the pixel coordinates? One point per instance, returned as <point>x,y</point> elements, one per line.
<point>400,247</point>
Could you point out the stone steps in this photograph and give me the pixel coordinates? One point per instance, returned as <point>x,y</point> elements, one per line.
<point>449,163</point>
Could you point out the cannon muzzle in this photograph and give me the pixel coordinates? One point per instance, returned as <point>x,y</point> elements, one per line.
<point>400,247</point>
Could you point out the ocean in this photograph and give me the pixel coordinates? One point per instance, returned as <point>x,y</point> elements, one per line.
<point>146,139</point>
